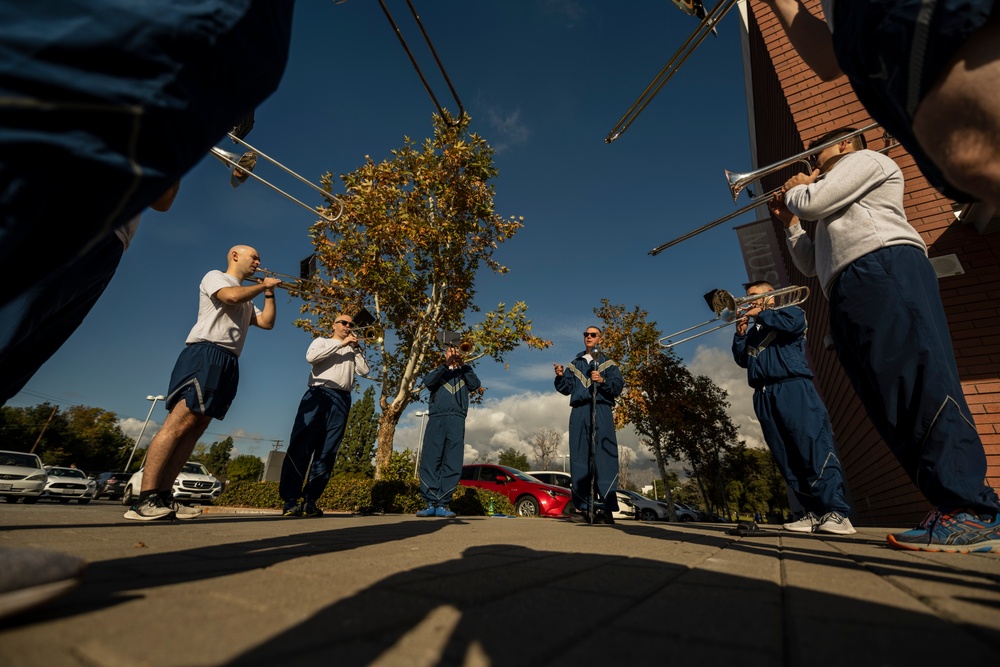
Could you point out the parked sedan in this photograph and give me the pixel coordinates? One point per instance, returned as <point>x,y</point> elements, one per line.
<point>633,505</point>
<point>528,496</point>
<point>66,484</point>
<point>21,476</point>
<point>111,484</point>
<point>553,477</point>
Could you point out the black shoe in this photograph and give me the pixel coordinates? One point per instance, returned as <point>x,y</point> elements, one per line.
<point>310,510</point>
<point>604,517</point>
<point>292,508</point>
<point>578,516</point>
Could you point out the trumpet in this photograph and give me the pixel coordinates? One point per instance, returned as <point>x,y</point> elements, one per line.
<point>731,309</point>
<point>243,167</point>
<point>739,181</point>
<point>373,334</point>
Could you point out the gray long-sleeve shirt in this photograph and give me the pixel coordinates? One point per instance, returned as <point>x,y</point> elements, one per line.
<point>858,206</point>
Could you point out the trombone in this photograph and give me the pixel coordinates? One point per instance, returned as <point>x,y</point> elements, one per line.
<point>731,309</point>
<point>243,167</point>
<point>373,334</point>
<point>739,181</point>
<point>706,26</point>
<point>296,284</point>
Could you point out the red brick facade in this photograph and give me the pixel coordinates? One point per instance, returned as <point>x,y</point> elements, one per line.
<point>791,107</point>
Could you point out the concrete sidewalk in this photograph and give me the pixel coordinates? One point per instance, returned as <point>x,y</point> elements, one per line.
<point>260,589</point>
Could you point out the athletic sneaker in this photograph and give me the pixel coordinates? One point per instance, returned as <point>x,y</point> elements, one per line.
<point>953,532</point>
<point>150,509</point>
<point>309,510</point>
<point>806,524</point>
<point>444,512</point>
<point>182,511</point>
<point>30,577</point>
<point>430,510</point>
<point>834,523</point>
<point>292,508</point>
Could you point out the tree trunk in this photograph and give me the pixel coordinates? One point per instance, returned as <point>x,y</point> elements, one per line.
<point>386,434</point>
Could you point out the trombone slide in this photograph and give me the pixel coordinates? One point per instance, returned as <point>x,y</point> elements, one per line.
<point>731,309</point>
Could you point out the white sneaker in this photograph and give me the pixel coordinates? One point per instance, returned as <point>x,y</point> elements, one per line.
<point>182,511</point>
<point>806,524</point>
<point>151,509</point>
<point>835,524</point>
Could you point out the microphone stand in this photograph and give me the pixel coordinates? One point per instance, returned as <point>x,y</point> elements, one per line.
<point>592,463</point>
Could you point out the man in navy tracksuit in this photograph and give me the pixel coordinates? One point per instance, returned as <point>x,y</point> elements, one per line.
<point>592,371</point>
<point>792,416</point>
<point>444,440</point>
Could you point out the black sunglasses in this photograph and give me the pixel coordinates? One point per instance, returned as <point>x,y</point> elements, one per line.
<point>590,334</point>
<point>345,323</point>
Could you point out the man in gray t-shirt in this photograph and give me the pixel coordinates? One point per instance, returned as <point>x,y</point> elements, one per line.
<point>204,380</point>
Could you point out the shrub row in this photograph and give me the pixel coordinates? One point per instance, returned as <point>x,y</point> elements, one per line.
<point>363,495</point>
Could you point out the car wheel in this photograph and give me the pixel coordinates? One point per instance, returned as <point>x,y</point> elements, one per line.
<point>127,496</point>
<point>526,506</point>
<point>686,518</point>
<point>648,515</point>
<point>30,500</point>
<point>83,501</point>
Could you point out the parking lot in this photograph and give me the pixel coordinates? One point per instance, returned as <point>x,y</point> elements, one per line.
<point>259,589</point>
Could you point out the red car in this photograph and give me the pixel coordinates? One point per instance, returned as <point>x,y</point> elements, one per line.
<point>529,496</point>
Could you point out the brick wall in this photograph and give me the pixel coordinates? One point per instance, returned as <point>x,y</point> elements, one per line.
<point>791,108</point>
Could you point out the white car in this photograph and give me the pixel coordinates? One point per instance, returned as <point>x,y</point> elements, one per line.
<point>552,477</point>
<point>66,484</point>
<point>193,483</point>
<point>631,505</point>
<point>21,476</point>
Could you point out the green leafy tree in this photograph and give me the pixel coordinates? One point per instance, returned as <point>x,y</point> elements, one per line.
<point>217,457</point>
<point>414,233</point>
<point>358,447</point>
<point>400,466</point>
<point>87,437</point>
<point>512,458</point>
<point>245,468</point>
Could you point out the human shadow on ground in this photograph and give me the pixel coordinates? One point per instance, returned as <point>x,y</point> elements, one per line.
<point>110,582</point>
<point>511,605</point>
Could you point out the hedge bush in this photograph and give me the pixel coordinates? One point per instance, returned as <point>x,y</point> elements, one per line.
<point>360,494</point>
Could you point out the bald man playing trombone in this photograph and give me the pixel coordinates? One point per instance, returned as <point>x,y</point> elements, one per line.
<point>205,378</point>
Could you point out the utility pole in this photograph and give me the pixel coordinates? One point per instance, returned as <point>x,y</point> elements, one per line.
<point>39,438</point>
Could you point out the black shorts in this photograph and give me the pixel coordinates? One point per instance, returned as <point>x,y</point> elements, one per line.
<point>206,377</point>
<point>894,51</point>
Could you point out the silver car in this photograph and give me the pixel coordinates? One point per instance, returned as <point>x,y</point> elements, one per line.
<point>66,484</point>
<point>21,476</point>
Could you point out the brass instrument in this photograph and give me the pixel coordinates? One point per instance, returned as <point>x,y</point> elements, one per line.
<point>706,26</point>
<point>373,334</point>
<point>298,284</point>
<point>244,165</point>
<point>731,309</point>
<point>739,181</point>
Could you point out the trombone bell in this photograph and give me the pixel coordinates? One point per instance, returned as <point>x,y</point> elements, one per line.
<point>244,164</point>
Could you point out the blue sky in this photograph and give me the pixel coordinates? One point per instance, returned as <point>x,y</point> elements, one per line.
<point>544,82</point>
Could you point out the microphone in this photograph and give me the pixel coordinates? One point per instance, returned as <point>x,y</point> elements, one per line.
<point>593,358</point>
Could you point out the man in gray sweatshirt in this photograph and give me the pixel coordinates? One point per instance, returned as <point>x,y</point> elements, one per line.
<point>891,335</point>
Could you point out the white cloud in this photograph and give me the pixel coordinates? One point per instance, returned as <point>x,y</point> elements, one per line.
<point>718,364</point>
<point>507,129</point>
<point>132,426</point>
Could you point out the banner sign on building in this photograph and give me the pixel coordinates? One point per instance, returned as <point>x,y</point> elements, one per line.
<point>761,253</point>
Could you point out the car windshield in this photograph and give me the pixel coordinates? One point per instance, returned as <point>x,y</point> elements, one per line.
<point>523,476</point>
<point>196,468</point>
<point>19,460</point>
<point>66,472</point>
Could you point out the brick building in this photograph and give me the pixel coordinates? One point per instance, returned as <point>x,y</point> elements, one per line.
<point>789,107</point>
